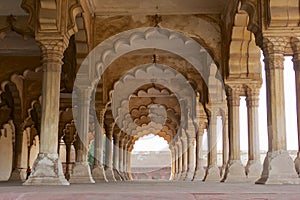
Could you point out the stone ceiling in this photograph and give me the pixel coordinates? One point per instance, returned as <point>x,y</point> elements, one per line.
<point>162,7</point>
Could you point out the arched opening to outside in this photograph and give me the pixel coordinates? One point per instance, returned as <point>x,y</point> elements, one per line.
<point>151,158</point>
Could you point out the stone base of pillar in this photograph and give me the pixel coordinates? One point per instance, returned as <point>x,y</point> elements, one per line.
<point>235,172</point>
<point>47,170</point>
<point>99,174</point>
<point>182,176</point>
<point>297,164</point>
<point>110,177</point>
<point>199,174</point>
<point>278,168</point>
<point>253,170</point>
<point>212,173</point>
<point>190,175</point>
<point>175,177</point>
<point>118,176</point>
<point>81,173</point>
<point>18,175</point>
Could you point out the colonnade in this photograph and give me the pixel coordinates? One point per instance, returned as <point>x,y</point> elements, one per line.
<point>186,160</point>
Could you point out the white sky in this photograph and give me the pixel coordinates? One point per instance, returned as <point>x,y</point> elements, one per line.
<point>156,143</point>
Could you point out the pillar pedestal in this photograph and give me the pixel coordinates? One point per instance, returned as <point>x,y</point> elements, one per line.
<point>99,174</point>
<point>47,170</point>
<point>109,173</point>
<point>81,173</point>
<point>212,173</point>
<point>18,175</point>
<point>199,174</point>
<point>278,169</point>
<point>235,172</point>
<point>253,170</point>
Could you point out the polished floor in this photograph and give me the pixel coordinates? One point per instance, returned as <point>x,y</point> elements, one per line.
<point>150,190</point>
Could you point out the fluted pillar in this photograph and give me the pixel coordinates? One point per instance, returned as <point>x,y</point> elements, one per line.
<point>184,159</point>
<point>278,165</point>
<point>98,169</point>
<point>254,166</point>
<point>212,171</point>
<point>121,159</point>
<point>199,172</point>
<point>179,160</point>
<point>47,169</point>
<point>176,157</point>
<point>173,167</point>
<point>296,61</point>
<point>225,143</point>
<point>81,171</point>
<point>191,157</point>
<point>108,153</point>
<point>116,157</point>
<point>235,171</point>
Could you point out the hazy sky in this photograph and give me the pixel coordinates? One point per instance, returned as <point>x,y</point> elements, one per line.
<point>155,143</point>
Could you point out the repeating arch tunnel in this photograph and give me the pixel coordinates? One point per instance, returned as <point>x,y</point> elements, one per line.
<point>137,104</point>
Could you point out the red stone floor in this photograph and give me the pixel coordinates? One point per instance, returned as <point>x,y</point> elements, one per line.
<point>150,190</point>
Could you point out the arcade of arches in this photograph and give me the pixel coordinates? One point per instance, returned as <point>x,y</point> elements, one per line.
<point>115,71</point>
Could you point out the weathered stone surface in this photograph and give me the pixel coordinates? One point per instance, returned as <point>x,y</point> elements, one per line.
<point>81,173</point>
<point>278,169</point>
<point>47,170</point>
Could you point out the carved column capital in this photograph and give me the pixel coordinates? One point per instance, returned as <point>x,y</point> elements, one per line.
<point>273,49</point>
<point>252,93</point>
<point>52,54</point>
<point>233,92</point>
<point>295,43</point>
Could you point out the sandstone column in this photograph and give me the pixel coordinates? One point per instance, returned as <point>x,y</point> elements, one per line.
<point>108,153</point>
<point>180,155</point>
<point>296,61</point>
<point>116,156</point>
<point>253,167</point>
<point>225,145</point>
<point>176,162</point>
<point>235,171</point>
<point>172,149</point>
<point>191,158</point>
<point>184,156</point>
<point>121,159</point>
<point>98,170</point>
<point>199,173</point>
<point>212,171</point>
<point>47,169</point>
<point>278,165</point>
<point>81,171</point>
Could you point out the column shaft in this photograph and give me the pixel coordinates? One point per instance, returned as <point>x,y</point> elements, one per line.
<point>51,174</point>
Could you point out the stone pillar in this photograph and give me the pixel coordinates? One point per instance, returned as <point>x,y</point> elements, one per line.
<point>176,170</point>
<point>254,166</point>
<point>129,162</point>
<point>179,160</point>
<point>116,157</point>
<point>278,166</point>
<point>199,172</point>
<point>296,61</point>
<point>225,145</point>
<point>184,156</point>
<point>47,169</point>
<point>98,170</point>
<point>191,157</point>
<point>172,150</point>
<point>108,153</point>
<point>235,171</point>
<point>81,171</point>
<point>212,171</point>
<point>121,159</point>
